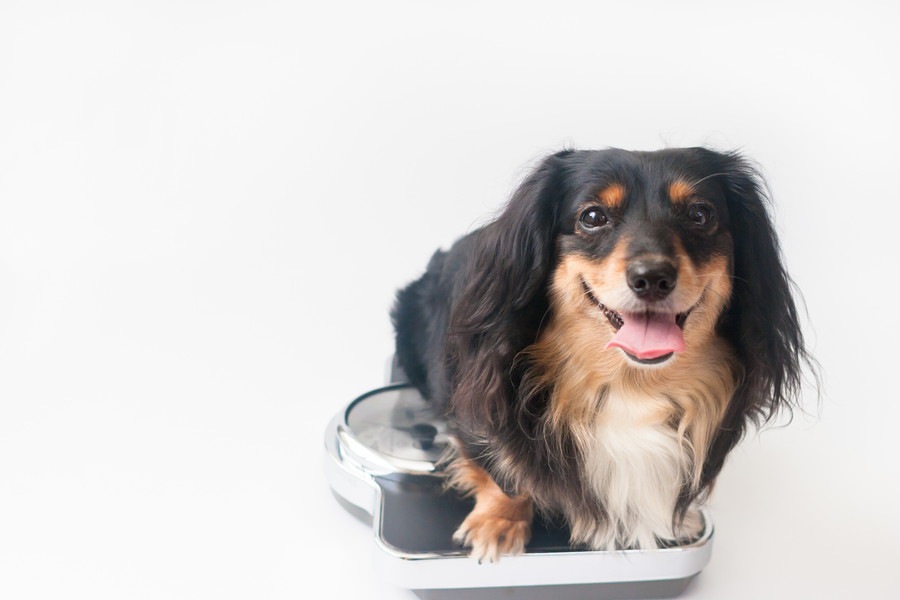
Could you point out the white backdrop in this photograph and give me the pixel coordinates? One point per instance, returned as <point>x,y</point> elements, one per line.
<point>206,208</point>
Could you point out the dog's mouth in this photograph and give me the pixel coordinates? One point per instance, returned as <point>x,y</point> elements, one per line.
<point>647,338</point>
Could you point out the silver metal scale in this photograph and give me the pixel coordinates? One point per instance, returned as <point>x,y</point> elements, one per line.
<point>380,457</point>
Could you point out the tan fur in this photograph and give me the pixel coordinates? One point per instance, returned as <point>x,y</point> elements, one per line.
<point>499,524</point>
<point>612,195</point>
<point>680,191</point>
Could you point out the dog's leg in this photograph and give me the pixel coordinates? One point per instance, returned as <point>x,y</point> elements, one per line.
<point>499,524</point>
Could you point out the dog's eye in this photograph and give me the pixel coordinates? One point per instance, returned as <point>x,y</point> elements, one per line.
<point>700,214</point>
<point>593,218</point>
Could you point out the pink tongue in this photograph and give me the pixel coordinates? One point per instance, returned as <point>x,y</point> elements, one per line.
<point>648,336</point>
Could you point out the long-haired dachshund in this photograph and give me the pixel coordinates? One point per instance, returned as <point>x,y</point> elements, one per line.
<point>603,344</point>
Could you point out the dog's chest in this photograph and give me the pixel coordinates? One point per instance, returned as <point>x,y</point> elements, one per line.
<point>635,464</point>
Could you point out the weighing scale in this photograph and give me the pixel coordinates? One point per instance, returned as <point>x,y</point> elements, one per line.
<point>381,455</point>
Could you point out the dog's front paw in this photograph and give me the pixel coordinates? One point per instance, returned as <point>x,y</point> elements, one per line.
<point>490,534</point>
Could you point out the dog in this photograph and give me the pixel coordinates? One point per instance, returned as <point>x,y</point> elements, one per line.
<point>602,345</point>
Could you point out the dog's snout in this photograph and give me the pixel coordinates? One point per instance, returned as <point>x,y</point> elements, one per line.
<point>652,279</point>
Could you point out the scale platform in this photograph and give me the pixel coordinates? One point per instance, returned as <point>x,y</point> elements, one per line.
<point>380,460</point>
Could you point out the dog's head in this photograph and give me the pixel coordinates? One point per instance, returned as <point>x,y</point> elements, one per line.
<point>652,254</point>
<point>644,251</point>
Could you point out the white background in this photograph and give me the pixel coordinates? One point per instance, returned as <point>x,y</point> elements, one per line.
<point>206,208</point>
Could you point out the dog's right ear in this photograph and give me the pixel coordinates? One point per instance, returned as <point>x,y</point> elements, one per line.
<point>502,296</point>
<point>513,256</point>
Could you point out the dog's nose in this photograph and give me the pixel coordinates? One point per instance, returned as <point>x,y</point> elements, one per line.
<point>651,279</point>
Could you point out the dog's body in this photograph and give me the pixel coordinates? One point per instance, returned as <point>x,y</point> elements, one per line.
<point>602,345</point>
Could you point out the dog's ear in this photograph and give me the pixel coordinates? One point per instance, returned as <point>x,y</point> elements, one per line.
<point>761,320</point>
<point>512,257</point>
<point>502,294</point>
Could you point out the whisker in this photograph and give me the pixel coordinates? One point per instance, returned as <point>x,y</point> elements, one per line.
<point>701,180</point>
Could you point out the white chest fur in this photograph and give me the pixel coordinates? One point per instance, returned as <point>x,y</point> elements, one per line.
<point>636,465</point>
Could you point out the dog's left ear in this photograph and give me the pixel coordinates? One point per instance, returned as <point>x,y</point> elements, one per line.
<point>761,320</point>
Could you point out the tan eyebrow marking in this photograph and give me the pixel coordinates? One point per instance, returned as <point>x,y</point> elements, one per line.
<point>612,195</point>
<point>680,191</point>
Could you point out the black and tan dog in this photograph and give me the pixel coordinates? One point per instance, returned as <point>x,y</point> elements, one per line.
<point>602,345</point>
